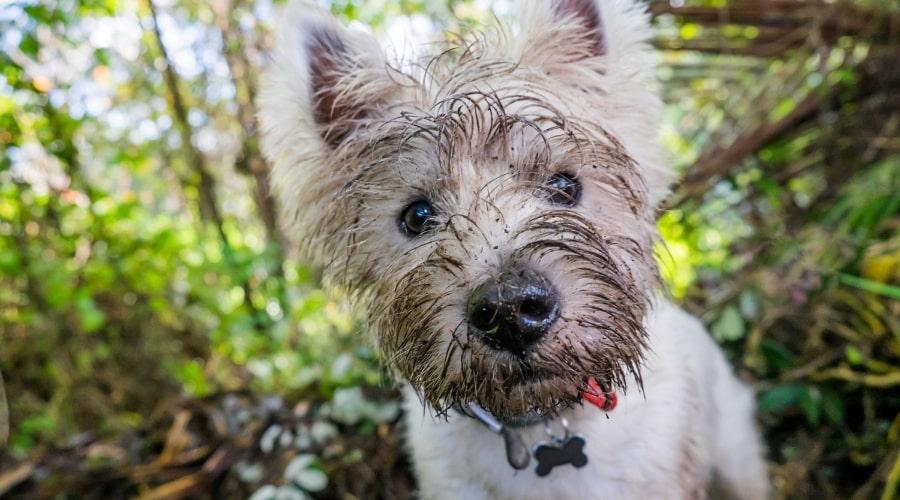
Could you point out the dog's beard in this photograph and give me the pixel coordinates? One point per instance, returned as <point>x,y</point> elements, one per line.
<point>599,335</point>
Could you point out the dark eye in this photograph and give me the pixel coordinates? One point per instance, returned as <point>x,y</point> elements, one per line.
<point>564,189</point>
<point>416,217</point>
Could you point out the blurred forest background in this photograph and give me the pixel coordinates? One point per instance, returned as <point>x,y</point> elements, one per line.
<point>158,339</point>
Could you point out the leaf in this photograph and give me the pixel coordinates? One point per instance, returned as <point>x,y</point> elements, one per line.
<point>249,472</point>
<point>311,480</point>
<point>10,262</point>
<point>29,45</point>
<point>92,319</point>
<point>191,373</point>
<point>729,326</point>
<point>302,472</point>
<point>349,406</point>
<point>777,356</point>
<point>341,366</point>
<point>266,492</point>
<point>853,355</point>
<point>689,31</point>
<point>780,398</point>
<point>298,463</point>
<point>290,492</point>
<point>870,286</point>
<point>267,441</point>
<point>386,412</point>
<point>57,288</point>
<point>749,304</point>
<point>833,407</point>
<point>782,109</point>
<point>322,432</point>
<point>810,403</point>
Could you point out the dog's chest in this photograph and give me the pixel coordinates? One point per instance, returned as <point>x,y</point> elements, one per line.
<point>650,446</point>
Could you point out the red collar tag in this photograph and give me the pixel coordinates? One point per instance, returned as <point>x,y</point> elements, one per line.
<point>595,395</point>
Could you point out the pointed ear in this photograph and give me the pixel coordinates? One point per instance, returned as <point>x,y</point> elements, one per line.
<point>331,63</point>
<point>324,78</point>
<point>584,13</point>
<point>608,35</point>
<point>601,47</point>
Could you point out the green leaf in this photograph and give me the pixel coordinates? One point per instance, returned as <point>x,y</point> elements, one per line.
<point>780,398</point>
<point>870,286</point>
<point>777,356</point>
<point>689,31</point>
<point>810,403</point>
<point>853,354</point>
<point>9,261</point>
<point>833,407</point>
<point>783,109</point>
<point>29,45</point>
<point>729,326</point>
<point>192,375</point>
<point>92,318</point>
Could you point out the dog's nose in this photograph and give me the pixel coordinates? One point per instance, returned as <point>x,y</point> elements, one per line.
<point>513,310</point>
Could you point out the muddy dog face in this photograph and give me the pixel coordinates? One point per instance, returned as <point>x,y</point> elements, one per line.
<point>491,208</point>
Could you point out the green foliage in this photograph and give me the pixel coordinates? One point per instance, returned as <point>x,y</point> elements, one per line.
<point>790,253</point>
<point>112,281</point>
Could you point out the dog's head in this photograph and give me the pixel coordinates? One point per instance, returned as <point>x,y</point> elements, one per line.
<point>492,208</point>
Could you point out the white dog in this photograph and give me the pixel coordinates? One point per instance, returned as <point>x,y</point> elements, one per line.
<point>493,210</point>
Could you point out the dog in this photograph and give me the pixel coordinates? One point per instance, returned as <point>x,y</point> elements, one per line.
<point>491,208</point>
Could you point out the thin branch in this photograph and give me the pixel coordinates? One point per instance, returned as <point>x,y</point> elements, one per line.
<point>4,414</point>
<point>251,160</point>
<point>209,208</point>
<point>881,381</point>
<point>716,162</point>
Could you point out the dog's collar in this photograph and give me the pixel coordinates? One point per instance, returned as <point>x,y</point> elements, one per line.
<point>559,450</point>
<point>518,422</point>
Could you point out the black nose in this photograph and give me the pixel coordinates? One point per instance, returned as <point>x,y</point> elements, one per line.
<point>513,310</point>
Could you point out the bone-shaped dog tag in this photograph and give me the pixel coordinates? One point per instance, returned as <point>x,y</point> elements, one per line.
<point>569,450</point>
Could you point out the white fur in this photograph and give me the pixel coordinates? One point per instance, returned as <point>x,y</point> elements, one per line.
<point>630,107</point>
<point>694,420</point>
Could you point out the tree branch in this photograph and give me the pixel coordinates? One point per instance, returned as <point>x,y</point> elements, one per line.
<point>206,187</point>
<point>209,209</point>
<point>250,160</point>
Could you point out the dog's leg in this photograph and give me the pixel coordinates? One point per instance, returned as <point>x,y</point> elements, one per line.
<point>740,471</point>
<point>451,490</point>
<point>728,442</point>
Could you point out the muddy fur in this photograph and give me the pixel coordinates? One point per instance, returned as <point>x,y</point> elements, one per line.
<point>477,129</point>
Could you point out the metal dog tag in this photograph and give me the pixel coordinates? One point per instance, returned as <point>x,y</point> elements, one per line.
<point>569,450</point>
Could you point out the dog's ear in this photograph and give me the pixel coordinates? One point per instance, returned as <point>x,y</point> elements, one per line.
<point>324,77</point>
<point>585,15</point>
<point>331,63</point>
<point>605,36</point>
<point>601,48</point>
<point>322,88</point>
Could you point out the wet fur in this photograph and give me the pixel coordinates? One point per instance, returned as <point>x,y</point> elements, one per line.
<point>478,129</point>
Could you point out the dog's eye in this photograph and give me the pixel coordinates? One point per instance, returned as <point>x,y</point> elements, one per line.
<point>564,189</point>
<point>416,217</point>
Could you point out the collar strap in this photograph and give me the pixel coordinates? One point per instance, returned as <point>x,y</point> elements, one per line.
<point>561,451</point>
